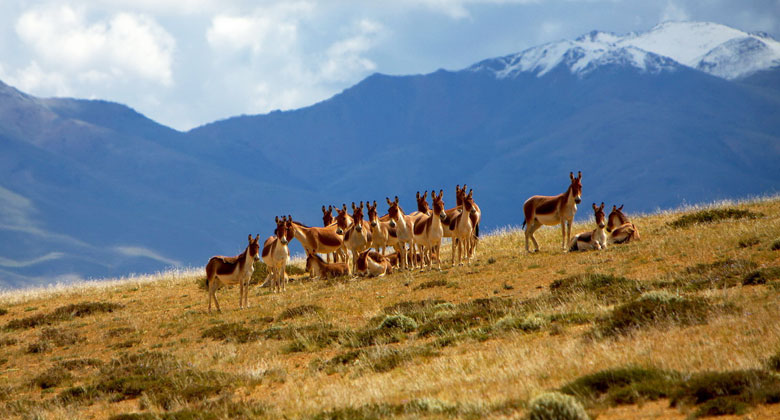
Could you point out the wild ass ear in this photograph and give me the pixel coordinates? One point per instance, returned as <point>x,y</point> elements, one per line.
<point>257,238</point>
<point>389,203</point>
<point>344,206</point>
<point>602,206</point>
<point>396,199</point>
<point>594,207</point>
<point>250,237</point>
<point>418,195</point>
<point>425,195</point>
<point>471,194</point>
<point>571,176</point>
<point>374,203</point>
<point>353,206</point>
<point>614,207</point>
<point>277,220</point>
<point>620,208</point>
<point>361,204</point>
<point>323,209</point>
<point>579,175</point>
<point>441,194</point>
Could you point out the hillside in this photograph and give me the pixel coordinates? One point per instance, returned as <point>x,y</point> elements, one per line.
<point>673,319</point>
<point>95,189</point>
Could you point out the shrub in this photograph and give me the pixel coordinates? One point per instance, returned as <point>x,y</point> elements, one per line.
<point>63,313</point>
<point>774,362</point>
<point>8,341</point>
<point>231,332</point>
<point>655,309</point>
<point>3,311</point>
<point>556,406</point>
<point>748,242</point>
<point>401,322</point>
<point>119,332</point>
<point>434,283</point>
<point>761,276</point>
<point>606,288</point>
<point>468,315</point>
<point>528,324</point>
<point>715,389</point>
<point>52,377</point>
<point>74,364</point>
<point>717,275</point>
<point>775,245</point>
<point>625,385</point>
<point>60,337</point>
<point>712,215</point>
<point>298,311</point>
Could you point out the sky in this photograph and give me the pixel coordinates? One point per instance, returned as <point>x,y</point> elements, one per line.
<point>185,63</point>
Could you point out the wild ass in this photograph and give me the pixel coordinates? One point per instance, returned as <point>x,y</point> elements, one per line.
<point>383,234</point>
<point>372,264</point>
<point>542,210</point>
<point>322,239</point>
<point>428,231</point>
<point>476,218</point>
<point>404,228</point>
<point>620,229</point>
<point>227,271</point>
<point>358,237</point>
<point>594,239</point>
<point>276,254</point>
<point>318,268</point>
<point>462,229</point>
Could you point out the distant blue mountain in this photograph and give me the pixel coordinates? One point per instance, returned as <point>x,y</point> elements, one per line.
<point>93,188</point>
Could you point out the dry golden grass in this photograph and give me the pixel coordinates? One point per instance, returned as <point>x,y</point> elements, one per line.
<point>284,366</point>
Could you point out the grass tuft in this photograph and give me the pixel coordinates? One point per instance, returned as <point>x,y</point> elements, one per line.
<point>52,377</point>
<point>63,313</point>
<point>231,332</point>
<point>775,245</point>
<point>712,215</point>
<point>299,311</point>
<point>556,406</point>
<point>606,288</point>
<point>434,283</point>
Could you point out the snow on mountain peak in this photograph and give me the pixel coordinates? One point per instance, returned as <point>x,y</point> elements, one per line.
<point>710,47</point>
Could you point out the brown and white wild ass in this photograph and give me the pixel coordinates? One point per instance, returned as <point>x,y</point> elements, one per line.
<point>594,239</point>
<point>620,229</point>
<point>318,268</point>
<point>372,264</point>
<point>404,228</point>
<point>428,231</point>
<point>476,219</point>
<point>461,227</point>
<point>322,239</point>
<point>358,237</point>
<point>542,210</point>
<point>227,271</point>
<point>383,235</point>
<point>276,254</point>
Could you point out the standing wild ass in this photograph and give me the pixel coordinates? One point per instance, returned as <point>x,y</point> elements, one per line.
<point>358,237</point>
<point>542,210</point>
<point>404,228</point>
<point>276,255</point>
<point>594,239</point>
<point>428,232</point>
<point>227,271</point>
<point>322,239</point>
<point>383,234</point>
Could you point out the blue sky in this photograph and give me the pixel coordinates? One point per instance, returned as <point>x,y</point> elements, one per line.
<point>186,63</point>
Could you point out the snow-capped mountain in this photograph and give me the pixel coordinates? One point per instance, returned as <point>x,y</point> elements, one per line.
<point>710,47</point>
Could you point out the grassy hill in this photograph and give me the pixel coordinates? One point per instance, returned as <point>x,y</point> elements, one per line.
<point>682,323</point>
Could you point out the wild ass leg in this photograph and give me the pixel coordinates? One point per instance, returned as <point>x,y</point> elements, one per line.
<point>213,294</point>
<point>532,227</point>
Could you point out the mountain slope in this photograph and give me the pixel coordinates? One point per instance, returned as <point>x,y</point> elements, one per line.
<point>92,188</point>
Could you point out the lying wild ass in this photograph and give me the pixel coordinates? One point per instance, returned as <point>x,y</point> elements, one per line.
<point>227,271</point>
<point>594,239</point>
<point>276,255</point>
<point>318,268</point>
<point>620,229</point>
<point>383,235</point>
<point>372,264</point>
<point>358,237</point>
<point>542,210</point>
<point>428,231</point>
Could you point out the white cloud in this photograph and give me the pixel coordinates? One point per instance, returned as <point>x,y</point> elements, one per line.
<point>8,262</point>
<point>138,251</point>
<point>124,46</point>
<point>674,12</point>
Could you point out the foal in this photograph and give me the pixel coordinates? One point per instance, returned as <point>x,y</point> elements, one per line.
<point>542,210</point>
<point>595,239</point>
<point>373,264</point>
<point>317,267</point>
<point>227,271</point>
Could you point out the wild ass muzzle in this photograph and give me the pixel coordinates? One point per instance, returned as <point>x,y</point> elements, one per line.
<point>594,239</point>
<point>276,254</point>
<point>428,231</point>
<point>542,210</point>
<point>620,229</point>
<point>227,271</point>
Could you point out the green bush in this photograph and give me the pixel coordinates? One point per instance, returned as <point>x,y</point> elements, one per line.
<point>555,406</point>
<point>605,288</point>
<point>52,377</point>
<point>712,215</point>
<point>624,385</point>
<point>655,309</point>
<point>401,322</point>
<point>529,323</point>
<point>63,313</point>
<point>774,362</point>
<point>231,332</point>
<point>775,245</point>
<point>299,311</point>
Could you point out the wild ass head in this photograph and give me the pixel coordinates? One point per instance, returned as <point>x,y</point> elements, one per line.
<point>576,186</point>
<point>254,247</point>
<point>357,216</point>
<point>598,213</point>
<point>438,204</point>
<point>616,218</point>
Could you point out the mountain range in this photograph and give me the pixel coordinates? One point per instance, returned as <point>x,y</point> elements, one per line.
<point>686,112</point>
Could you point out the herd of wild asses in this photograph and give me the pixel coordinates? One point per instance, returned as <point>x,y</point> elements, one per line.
<point>355,246</point>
